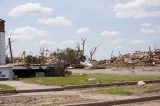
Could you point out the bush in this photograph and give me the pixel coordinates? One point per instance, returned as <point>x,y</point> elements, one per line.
<point>98,67</point>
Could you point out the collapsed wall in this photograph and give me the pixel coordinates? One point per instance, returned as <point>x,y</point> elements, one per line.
<point>2,42</point>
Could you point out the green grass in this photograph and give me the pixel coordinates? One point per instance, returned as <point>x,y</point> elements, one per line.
<point>5,87</point>
<point>127,90</point>
<point>74,80</point>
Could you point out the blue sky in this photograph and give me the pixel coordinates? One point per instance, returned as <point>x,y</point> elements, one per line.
<point>118,25</point>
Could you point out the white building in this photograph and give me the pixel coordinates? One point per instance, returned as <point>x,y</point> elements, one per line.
<point>5,71</point>
<point>2,42</point>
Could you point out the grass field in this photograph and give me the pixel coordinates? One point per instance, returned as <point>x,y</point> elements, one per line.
<point>5,87</point>
<point>127,90</point>
<point>74,80</point>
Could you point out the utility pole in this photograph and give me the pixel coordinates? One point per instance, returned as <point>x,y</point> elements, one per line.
<point>150,55</point>
<point>10,48</point>
<point>119,53</point>
<point>111,54</point>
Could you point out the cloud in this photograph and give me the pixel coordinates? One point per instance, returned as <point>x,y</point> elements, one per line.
<point>83,30</point>
<point>61,21</point>
<point>146,24</point>
<point>45,43</point>
<point>150,29</point>
<point>109,33</point>
<point>27,32</point>
<point>61,45</point>
<point>137,9</point>
<point>29,9</point>
<point>137,42</point>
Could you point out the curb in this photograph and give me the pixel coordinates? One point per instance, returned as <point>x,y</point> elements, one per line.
<point>118,102</point>
<point>77,87</point>
<point>7,91</point>
<point>40,90</point>
<point>31,90</point>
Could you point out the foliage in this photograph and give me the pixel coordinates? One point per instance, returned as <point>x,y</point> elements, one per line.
<point>98,67</point>
<point>5,87</point>
<point>69,56</point>
<point>32,59</point>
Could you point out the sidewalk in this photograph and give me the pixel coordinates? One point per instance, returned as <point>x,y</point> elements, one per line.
<point>19,85</point>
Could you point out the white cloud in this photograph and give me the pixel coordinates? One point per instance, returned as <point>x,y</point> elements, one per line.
<point>29,9</point>
<point>61,45</point>
<point>109,33</point>
<point>146,24</point>
<point>27,32</point>
<point>45,43</point>
<point>61,21</point>
<point>83,30</point>
<point>137,9</point>
<point>137,42</point>
<point>118,41</point>
<point>150,29</point>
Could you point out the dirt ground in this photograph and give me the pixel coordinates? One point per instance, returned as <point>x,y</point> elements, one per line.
<point>61,98</point>
<point>42,100</point>
<point>57,98</point>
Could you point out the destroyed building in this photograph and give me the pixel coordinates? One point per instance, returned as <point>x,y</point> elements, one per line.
<point>138,58</point>
<point>21,69</point>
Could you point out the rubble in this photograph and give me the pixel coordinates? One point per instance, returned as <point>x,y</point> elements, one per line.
<point>141,83</point>
<point>137,58</point>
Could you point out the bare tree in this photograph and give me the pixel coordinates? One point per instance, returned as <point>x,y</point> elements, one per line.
<point>78,46</point>
<point>150,55</point>
<point>83,44</point>
<point>111,54</point>
<point>92,52</point>
<point>23,55</point>
<point>42,51</point>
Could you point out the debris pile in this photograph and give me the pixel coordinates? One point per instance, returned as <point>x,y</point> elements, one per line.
<point>138,58</point>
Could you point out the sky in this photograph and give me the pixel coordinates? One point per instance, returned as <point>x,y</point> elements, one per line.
<point>121,26</point>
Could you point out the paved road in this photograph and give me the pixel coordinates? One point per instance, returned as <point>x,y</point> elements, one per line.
<point>19,85</point>
<point>106,71</point>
